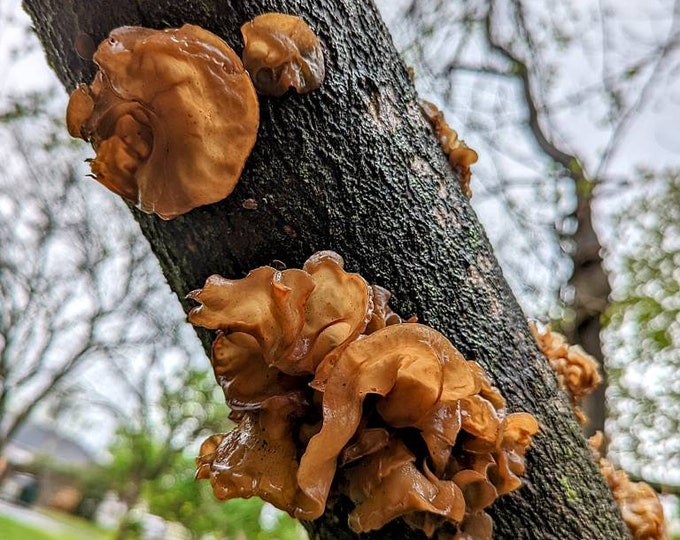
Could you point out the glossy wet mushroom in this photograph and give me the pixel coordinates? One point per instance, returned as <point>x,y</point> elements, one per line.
<point>296,316</point>
<point>282,52</point>
<point>412,367</point>
<point>172,115</point>
<point>639,504</point>
<point>388,484</point>
<point>337,390</point>
<point>259,458</point>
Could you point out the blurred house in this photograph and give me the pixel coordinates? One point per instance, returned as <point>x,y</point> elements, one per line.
<point>41,468</point>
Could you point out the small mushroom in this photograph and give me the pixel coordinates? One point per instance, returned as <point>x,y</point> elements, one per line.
<point>640,506</point>
<point>281,52</point>
<point>172,115</point>
<point>515,434</point>
<point>576,370</point>
<point>460,155</point>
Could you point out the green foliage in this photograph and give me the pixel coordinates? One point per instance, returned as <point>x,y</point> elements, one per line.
<point>176,496</point>
<point>643,335</point>
<point>150,462</point>
<point>154,439</point>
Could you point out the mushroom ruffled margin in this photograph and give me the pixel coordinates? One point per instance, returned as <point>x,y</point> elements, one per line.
<point>639,504</point>
<point>577,374</point>
<point>172,115</point>
<point>576,370</point>
<point>330,387</point>
<point>460,155</point>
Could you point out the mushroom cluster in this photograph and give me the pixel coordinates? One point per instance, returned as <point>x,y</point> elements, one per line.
<point>639,504</point>
<point>282,52</point>
<point>172,115</point>
<point>576,370</point>
<point>460,155</point>
<point>330,388</point>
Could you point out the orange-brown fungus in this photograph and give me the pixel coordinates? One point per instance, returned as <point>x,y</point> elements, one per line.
<point>639,504</point>
<point>172,116</point>
<point>460,155</point>
<point>281,52</point>
<point>296,316</point>
<point>331,388</point>
<point>577,371</point>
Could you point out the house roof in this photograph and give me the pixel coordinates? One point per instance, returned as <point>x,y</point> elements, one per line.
<point>34,440</point>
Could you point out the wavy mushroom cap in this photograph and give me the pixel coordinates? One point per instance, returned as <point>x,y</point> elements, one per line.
<point>477,490</point>
<point>267,304</point>
<point>338,309</point>
<point>281,52</point>
<point>515,434</point>
<point>367,441</point>
<point>243,374</point>
<point>296,316</point>
<point>487,391</point>
<point>172,115</point>
<point>639,504</point>
<point>577,372</point>
<point>388,484</point>
<point>258,458</point>
<point>413,367</point>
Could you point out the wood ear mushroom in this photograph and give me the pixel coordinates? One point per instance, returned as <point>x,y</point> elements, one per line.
<point>172,115</point>
<point>282,52</point>
<point>330,387</point>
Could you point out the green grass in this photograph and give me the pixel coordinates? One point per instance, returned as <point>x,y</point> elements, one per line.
<point>82,530</point>
<point>12,530</point>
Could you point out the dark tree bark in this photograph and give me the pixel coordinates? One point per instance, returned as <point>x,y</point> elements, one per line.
<point>355,168</point>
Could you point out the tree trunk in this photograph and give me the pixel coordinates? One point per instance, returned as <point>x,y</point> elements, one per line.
<point>354,167</point>
<point>591,290</point>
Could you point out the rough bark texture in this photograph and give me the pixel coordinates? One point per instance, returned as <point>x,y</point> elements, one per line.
<point>355,168</point>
